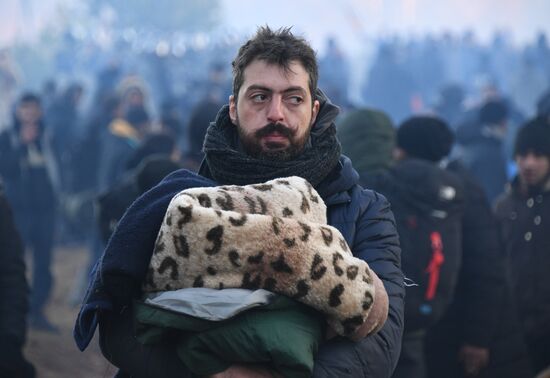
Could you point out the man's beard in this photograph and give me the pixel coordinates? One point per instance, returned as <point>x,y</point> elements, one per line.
<point>253,147</point>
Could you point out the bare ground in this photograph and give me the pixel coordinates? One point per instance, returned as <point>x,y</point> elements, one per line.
<point>56,355</point>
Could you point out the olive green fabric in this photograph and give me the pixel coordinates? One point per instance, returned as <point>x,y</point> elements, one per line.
<point>368,138</point>
<point>283,335</point>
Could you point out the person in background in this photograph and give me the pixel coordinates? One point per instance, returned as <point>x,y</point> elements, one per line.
<point>482,147</point>
<point>27,166</point>
<point>150,163</point>
<point>117,146</point>
<point>426,201</point>
<point>477,335</point>
<point>203,113</point>
<point>523,213</point>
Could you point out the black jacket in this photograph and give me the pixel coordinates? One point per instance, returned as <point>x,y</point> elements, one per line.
<point>480,312</point>
<point>524,223</point>
<point>416,190</point>
<point>29,174</point>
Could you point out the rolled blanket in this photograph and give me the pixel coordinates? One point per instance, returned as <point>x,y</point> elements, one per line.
<point>272,236</point>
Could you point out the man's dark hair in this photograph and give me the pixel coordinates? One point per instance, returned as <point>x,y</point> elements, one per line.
<point>534,137</point>
<point>28,97</point>
<point>279,47</point>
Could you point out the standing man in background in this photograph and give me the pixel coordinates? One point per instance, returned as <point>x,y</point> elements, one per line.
<point>524,216</point>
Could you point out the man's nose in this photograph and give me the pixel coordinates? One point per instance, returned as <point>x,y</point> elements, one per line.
<point>275,111</point>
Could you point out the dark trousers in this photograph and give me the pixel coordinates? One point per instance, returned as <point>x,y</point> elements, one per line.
<point>37,231</point>
<point>411,361</point>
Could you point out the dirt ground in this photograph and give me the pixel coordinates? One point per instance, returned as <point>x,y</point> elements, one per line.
<point>56,355</point>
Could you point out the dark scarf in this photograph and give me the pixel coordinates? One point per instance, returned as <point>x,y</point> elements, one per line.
<point>228,164</point>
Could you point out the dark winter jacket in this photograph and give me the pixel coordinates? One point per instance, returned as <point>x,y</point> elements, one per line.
<point>365,220</point>
<point>363,217</point>
<point>482,275</point>
<point>415,188</point>
<point>29,174</point>
<point>524,223</point>
<point>480,312</point>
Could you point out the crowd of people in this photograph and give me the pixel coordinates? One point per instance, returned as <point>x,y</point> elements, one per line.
<point>450,224</point>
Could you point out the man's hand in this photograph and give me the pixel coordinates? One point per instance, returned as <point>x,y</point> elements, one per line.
<point>245,371</point>
<point>474,359</point>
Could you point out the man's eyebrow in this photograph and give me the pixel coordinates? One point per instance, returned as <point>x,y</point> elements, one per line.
<point>254,87</point>
<point>294,89</point>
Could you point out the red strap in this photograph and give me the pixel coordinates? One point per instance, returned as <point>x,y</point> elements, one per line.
<point>434,266</point>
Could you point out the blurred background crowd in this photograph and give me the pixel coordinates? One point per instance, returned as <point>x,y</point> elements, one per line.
<point>99,100</point>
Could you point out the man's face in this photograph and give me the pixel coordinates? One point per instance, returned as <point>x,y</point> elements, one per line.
<point>274,112</point>
<point>28,112</point>
<point>533,168</point>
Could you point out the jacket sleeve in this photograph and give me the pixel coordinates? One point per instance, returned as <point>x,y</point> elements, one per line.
<point>375,240</point>
<point>14,291</point>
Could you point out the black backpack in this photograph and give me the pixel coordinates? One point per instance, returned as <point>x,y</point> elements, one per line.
<point>427,203</point>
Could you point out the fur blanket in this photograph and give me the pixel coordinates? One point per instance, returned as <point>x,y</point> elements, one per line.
<point>272,236</point>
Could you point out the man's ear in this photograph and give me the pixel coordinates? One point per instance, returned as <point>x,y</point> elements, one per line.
<point>315,111</point>
<point>233,109</point>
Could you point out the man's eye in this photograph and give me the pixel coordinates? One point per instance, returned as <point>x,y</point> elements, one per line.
<point>295,100</point>
<point>260,97</point>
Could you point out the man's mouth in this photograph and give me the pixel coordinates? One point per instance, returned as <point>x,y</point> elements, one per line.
<point>275,137</point>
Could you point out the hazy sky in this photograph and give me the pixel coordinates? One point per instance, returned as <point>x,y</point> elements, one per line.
<point>348,19</point>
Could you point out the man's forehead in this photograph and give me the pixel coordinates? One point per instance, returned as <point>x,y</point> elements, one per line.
<point>274,76</point>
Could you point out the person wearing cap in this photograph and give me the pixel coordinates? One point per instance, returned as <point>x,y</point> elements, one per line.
<point>524,216</point>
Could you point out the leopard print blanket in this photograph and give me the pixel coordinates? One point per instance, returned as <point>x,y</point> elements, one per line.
<point>272,236</point>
